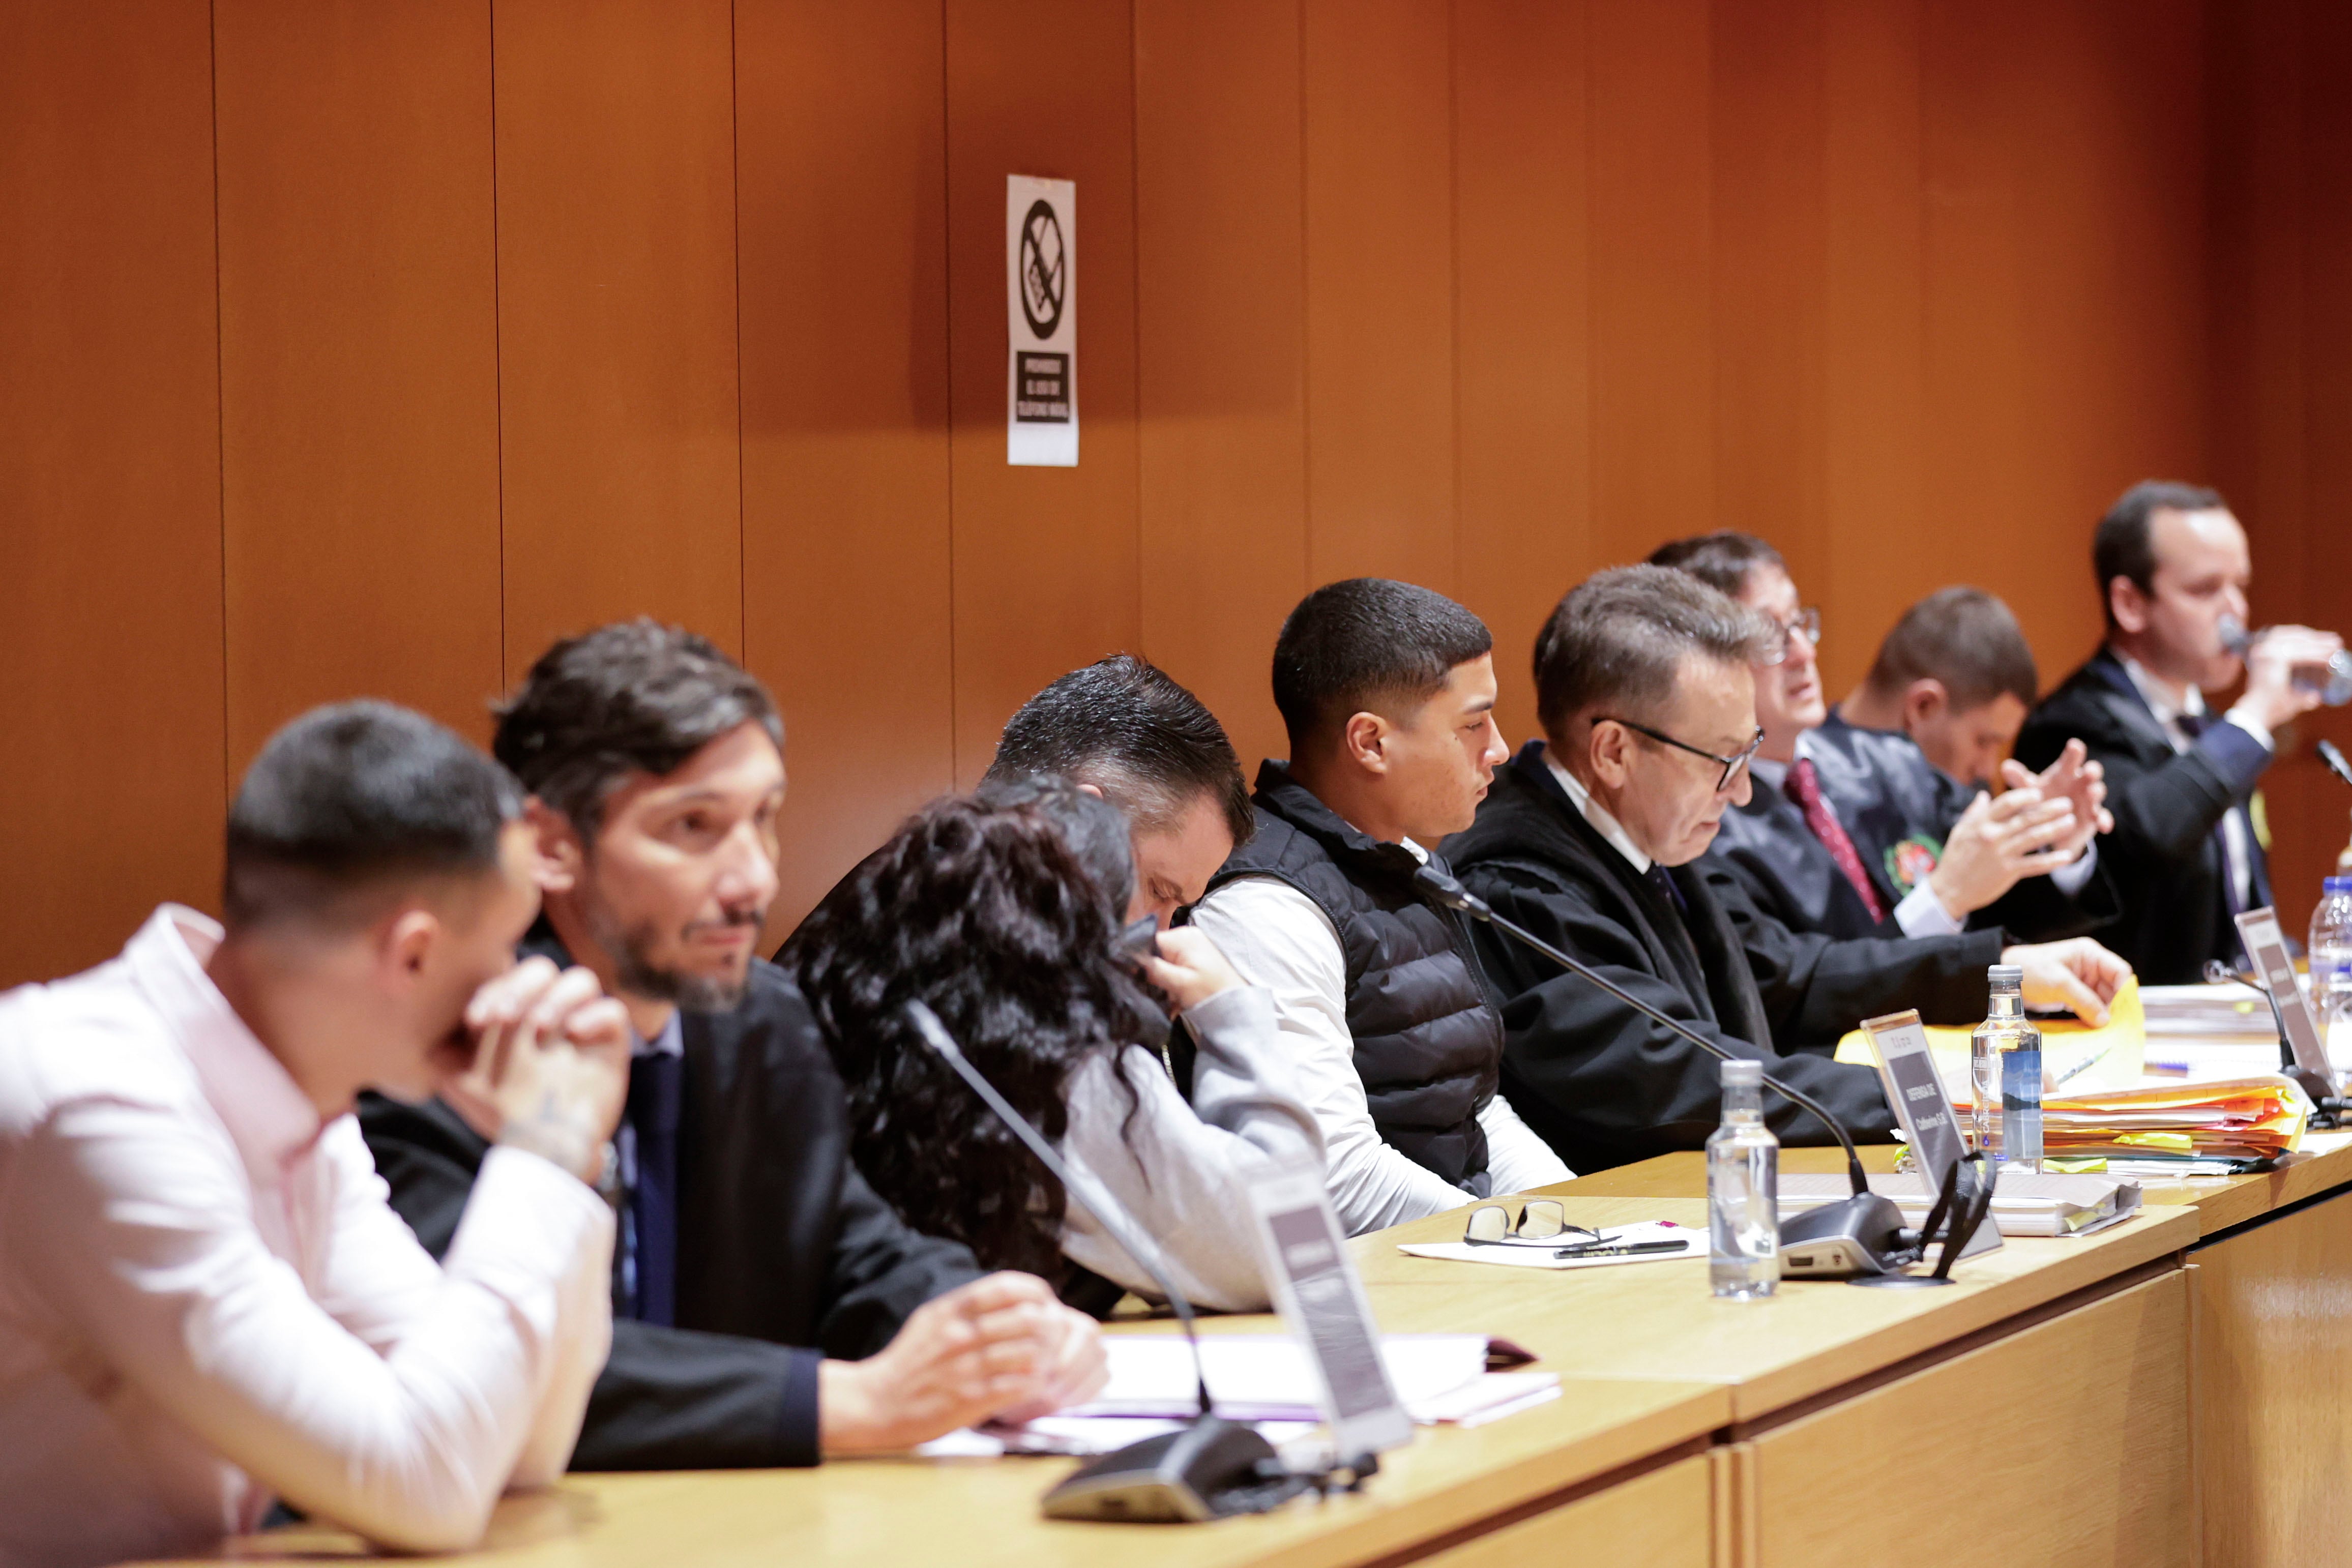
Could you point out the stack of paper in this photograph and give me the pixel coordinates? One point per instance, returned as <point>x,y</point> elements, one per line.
<point>2076,1057</point>
<point>2217,1013</point>
<point>1268,1381</point>
<point>2021,1205</point>
<point>2257,1117</point>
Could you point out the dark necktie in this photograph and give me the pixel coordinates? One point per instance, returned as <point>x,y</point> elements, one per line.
<point>1804,787</point>
<point>2194,725</point>
<point>649,1264</point>
<point>1657,878</point>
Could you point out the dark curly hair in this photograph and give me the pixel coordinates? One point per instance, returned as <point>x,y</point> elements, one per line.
<point>980,906</point>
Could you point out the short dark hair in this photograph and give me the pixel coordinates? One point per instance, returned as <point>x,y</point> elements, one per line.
<point>1964,637</point>
<point>358,798</point>
<point>1350,644</point>
<point>1618,639</point>
<point>1095,829</point>
<point>635,696</point>
<point>1123,725</point>
<point>1724,560</point>
<point>2123,545</point>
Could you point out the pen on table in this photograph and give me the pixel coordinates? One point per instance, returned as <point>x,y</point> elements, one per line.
<point>1625,1251</point>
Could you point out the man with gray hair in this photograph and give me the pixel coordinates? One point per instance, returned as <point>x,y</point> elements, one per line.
<point>1647,697</point>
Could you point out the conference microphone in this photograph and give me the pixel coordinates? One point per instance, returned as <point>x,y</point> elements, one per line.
<point>1863,1234</point>
<point>2332,680</point>
<point>2335,760</point>
<point>1210,1468</point>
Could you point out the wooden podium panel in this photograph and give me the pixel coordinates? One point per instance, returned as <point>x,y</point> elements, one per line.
<point>2066,1442</point>
<point>1662,1520</point>
<point>2274,1364</point>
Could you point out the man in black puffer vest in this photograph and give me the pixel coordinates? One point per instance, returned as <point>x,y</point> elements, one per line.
<point>1388,691</point>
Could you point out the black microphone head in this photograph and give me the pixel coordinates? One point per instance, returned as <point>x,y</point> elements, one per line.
<point>1448,892</point>
<point>2332,756</point>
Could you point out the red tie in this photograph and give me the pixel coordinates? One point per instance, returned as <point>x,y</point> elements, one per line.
<point>1804,787</point>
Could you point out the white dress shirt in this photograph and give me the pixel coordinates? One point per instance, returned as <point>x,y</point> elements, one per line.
<point>2237,836</point>
<point>206,1302</point>
<point>1277,937</point>
<point>1182,1171</point>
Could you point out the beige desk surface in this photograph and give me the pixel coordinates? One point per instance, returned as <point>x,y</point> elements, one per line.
<point>2322,1164</point>
<point>1656,1320</point>
<point>1649,1362</point>
<point>983,1512</point>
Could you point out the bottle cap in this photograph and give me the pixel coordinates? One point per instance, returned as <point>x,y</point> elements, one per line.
<point>2008,976</point>
<point>1743,1075</point>
<point>2336,884</point>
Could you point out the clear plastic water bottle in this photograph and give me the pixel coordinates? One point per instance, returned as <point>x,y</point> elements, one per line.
<point>2005,1073</point>
<point>1743,1191</point>
<point>2331,972</point>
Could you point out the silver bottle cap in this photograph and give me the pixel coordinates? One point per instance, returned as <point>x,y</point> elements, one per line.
<point>1743,1075</point>
<point>2006,976</point>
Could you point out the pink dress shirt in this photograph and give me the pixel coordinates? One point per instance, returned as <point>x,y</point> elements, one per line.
<point>206,1302</point>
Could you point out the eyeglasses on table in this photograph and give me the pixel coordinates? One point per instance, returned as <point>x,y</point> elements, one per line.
<point>1543,1222</point>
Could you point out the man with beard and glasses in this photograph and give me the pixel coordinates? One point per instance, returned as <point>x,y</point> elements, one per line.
<point>768,1309</point>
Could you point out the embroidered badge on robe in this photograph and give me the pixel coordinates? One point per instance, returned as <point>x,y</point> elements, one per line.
<point>1910,862</point>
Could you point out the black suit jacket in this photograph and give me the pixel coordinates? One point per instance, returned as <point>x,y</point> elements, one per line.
<point>1889,799</point>
<point>784,1254</point>
<point>2170,870</point>
<point>1604,1085</point>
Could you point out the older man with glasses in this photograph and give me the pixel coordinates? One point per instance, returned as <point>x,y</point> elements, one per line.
<point>1646,688</point>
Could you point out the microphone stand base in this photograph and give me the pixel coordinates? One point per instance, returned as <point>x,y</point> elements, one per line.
<point>1210,1468</point>
<point>1904,1282</point>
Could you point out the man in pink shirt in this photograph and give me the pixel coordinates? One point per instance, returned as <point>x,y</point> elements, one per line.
<point>205,1302</point>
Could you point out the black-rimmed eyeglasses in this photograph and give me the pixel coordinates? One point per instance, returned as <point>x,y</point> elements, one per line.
<point>1732,765</point>
<point>1543,1222</point>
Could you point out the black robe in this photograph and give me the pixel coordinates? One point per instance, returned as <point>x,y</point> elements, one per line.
<point>784,1255</point>
<point>1603,1084</point>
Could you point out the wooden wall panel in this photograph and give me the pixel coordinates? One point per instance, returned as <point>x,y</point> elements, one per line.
<point>1379,291</point>
<point>841,160</point>
<point>1046,563</point>
<point>110,477</point>
<point>1526,407</point>
<point>1221,443</point>
<point>358,359</point>
<point>1770,275</point>
<point>618,418</point>
<point>1874,354</point>
<point>1652,290</point>
<point>2065,334</point>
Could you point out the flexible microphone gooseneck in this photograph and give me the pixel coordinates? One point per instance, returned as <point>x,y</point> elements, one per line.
<point>1445,890</point>
<point>1873,1222</point>
<point>2335,760</point>
<point>1210,1468</point>
<point>1123,1230</point>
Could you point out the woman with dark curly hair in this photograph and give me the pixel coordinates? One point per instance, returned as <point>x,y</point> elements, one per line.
<point>1000,911</point>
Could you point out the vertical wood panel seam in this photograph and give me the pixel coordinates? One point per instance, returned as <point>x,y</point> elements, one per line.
<point>735,243</point>
<point>1135,256</point>
<point>1454,255</point>
<point>220,397</point>
<point>1306,338</point>
<point>947,320</point>
<point>498,344</point>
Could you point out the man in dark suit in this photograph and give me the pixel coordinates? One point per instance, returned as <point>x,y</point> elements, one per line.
<point>2186,852</point>
<point>1856,833</point>
<point>768,1309</point>
<point>1588,839</point>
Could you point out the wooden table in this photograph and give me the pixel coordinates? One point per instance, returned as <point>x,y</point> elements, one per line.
<point>2270,1347</point>
<point>1690,1432</point>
